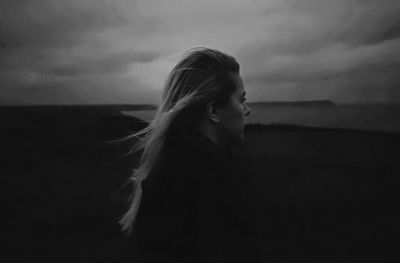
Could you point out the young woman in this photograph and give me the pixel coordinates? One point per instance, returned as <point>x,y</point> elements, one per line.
<point>188,201</point>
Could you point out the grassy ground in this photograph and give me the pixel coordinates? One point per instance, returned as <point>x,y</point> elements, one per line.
<point>321,195</point>
<point>325,195</point>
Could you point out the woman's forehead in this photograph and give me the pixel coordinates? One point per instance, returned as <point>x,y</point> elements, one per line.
<point>239,87</point>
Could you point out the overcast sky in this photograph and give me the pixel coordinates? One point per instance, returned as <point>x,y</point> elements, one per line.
<point>120,51</point>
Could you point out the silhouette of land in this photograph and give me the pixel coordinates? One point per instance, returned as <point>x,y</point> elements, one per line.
<point>319,194</point>
<point>309,103</point>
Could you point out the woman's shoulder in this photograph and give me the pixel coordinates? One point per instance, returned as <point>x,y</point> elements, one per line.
<point>183,162</point>
<point>178,167</point>
<point>194,161</point>
<point>188,165</point>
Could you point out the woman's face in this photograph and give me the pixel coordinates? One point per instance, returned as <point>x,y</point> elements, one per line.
<point>233,113</point>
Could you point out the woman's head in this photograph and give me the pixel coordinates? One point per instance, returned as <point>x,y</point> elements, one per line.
<point>203,92</point>
<point>205,88</point>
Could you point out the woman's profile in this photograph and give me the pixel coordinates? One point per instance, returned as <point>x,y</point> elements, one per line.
<point>187,203</point>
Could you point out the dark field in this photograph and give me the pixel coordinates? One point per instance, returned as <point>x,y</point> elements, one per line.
<point>321,195</point>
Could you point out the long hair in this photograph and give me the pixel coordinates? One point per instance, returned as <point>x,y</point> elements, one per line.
<point>201,76</point>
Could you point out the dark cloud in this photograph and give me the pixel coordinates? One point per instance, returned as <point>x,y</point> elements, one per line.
<point>371,25</point>
<point>103,64</point>
<point>42,59</point>
<point>31,32</point>
<point>367,83</point>
<point>344,50</point>
<point>53,23</point>
<point>288,49</point>
<point>324,74</point>
<point>392,32</point>
<point>80,90</point>
<point>314,24</point>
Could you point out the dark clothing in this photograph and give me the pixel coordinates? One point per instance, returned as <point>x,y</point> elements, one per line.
<point>193,207</point>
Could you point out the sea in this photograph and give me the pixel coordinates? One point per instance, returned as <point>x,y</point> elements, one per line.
<point>375,117</point>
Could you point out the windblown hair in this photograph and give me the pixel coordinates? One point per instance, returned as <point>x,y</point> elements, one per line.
<point>201,76</point>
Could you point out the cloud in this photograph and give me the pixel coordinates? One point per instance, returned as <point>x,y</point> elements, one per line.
<point>53,23</point>
<point>102,64</point>
<point>328,62</point>
<point>32,32</point>
<point>51,52</point>
<point>80,90</point>
<point>321,45</point>
<point>288,49</point>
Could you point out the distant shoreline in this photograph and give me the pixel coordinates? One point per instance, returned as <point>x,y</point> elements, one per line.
<point>327,103</point>
<point>147,106</point>
<point>125,107</point>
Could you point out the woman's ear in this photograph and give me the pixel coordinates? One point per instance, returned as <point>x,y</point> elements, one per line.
<point>213,112</point>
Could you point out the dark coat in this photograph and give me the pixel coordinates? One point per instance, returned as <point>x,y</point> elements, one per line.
<point>193,207</point>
